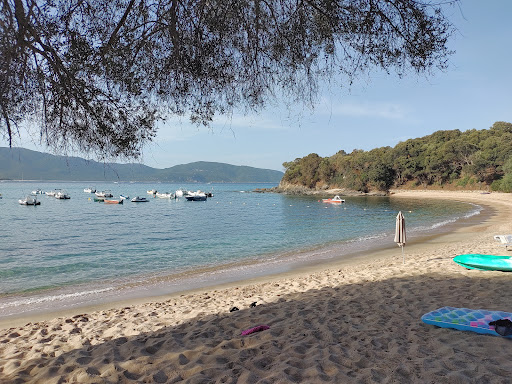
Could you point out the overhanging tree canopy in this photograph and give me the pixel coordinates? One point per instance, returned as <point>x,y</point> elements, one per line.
<point>99,74</point>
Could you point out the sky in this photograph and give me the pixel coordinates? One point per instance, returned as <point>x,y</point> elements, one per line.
<point>381,110</point>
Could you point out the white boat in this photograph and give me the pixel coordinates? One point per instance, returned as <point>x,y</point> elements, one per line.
<point>196,196</point>
<point>152,192</point>
<point>37,192</point>
<point>138,199</point>
<point>105,193</point>
<point>29,200</point>
<point>124,197</point>
<point>89,190</point>
<point>52,193</point>
<point>164,195</point>
<point>335,200</point>
<point>179,193</point>
<point>62,195</point>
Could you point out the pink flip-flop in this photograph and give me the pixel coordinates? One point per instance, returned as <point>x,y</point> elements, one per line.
<point>258,328</point>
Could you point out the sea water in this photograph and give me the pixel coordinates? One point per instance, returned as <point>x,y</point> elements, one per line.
<point>67,253</point>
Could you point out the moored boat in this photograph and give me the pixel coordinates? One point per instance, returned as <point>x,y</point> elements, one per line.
<point>105,193</point>
<point>335,200</point>
<point>89,190</point>
<point>107,201</point>
<point>164,195</point>
<point>124,197</point>
<point>37,192</point>
<point>196,196</point>
<point>151,192</point>
<point>62,195</point>
<point>29,200</point>
<point>138,199</point>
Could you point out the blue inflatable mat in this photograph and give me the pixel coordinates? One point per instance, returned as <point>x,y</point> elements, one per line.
<point>465,319</point>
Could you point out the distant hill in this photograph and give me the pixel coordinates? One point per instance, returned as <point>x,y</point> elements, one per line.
<point>25,164</point>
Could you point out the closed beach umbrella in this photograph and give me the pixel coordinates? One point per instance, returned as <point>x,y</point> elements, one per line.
<point>400,233</point>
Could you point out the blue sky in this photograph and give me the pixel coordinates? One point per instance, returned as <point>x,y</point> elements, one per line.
<point>380,110</point>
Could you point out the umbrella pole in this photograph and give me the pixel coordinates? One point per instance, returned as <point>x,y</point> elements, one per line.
<point>403,257</point>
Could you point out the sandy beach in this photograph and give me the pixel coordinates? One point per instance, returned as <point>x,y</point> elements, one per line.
<point>356,322</point>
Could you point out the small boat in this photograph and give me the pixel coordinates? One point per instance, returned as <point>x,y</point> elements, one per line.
<point>62,195</point>
<point>335,200</point>
<point>180,193</point>
<point>89,190</point>
<point>152,192</point>
<point>29,200</point>
<point>107,201</point>
<point>138,199</point>
<point>52,193</point>
<point>105,193</point>
<point>196,196</point>
<point>37,192</point>
<point>99,199</point>
<point>124,197</point>
<point>164,195</point>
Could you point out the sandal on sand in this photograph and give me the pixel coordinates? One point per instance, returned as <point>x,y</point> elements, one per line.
<point>255,329</point>
<point>233,309</point>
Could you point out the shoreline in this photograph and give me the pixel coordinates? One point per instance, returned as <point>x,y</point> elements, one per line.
<point>333,322</point>
<point>145,288</point>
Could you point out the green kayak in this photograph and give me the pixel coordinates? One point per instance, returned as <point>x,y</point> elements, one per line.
<point>485,262</point>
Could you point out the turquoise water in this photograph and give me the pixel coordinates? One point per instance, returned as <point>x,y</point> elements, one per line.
<point>76,252</point>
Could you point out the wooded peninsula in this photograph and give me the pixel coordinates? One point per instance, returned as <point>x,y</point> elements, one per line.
<point>452,159</point>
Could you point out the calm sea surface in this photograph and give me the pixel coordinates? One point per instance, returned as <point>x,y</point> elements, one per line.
<point>66,253</point>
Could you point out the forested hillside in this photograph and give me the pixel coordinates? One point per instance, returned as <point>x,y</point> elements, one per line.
<point>468,160</point>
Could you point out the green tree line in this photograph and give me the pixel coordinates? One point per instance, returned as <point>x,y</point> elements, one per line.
<point>469,159</point>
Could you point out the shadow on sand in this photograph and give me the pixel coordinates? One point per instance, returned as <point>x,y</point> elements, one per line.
<point>368,333</point>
